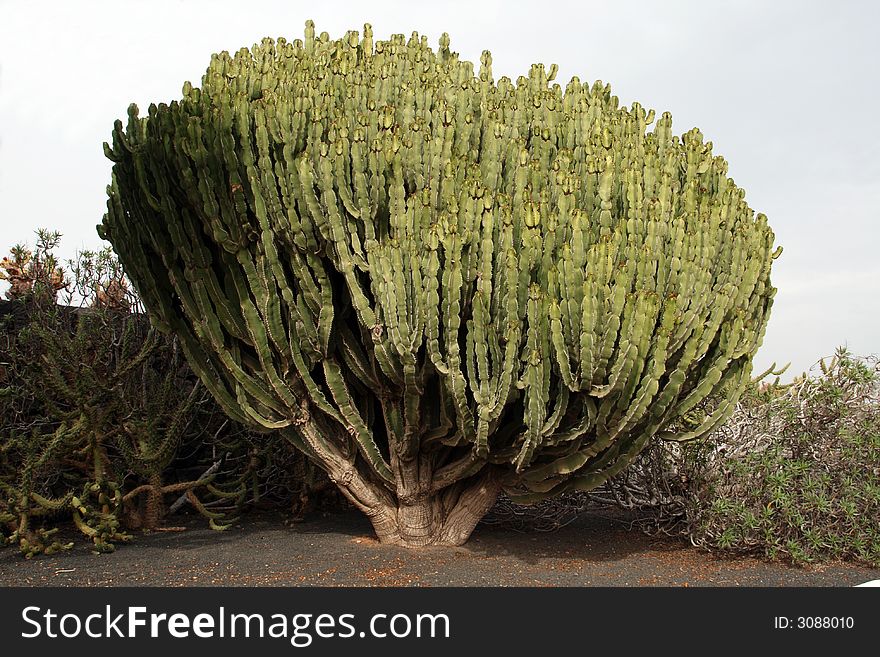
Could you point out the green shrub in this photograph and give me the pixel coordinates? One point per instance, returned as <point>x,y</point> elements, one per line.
<point>796,472</point>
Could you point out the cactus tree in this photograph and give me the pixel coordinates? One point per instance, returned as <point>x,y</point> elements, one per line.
<point>437,285</point>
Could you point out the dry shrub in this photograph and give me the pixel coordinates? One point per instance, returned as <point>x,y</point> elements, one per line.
<point>794,474</point>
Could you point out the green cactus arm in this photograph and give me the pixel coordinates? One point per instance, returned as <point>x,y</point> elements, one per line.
<point>355,423</point>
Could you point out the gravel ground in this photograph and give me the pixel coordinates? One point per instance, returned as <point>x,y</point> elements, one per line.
<point>337,550</point>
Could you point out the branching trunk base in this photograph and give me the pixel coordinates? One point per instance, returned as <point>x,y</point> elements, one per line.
<point>446,518</point>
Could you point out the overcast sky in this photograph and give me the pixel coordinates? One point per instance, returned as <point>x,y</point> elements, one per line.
<point>787,91</point>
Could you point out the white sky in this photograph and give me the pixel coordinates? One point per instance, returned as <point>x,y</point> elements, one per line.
<point>787,91</point>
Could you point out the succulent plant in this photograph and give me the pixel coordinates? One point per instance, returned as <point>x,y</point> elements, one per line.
<point>437,285</point>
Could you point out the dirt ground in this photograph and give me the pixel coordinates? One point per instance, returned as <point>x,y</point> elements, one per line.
<point>337,550</point>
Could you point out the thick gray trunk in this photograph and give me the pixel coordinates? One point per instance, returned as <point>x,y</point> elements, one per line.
<point>426,507</point>
<point>442,518</point>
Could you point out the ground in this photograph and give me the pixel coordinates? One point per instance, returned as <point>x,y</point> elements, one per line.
<point>337,550</point>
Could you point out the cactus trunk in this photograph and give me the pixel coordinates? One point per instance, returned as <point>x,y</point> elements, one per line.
<point>423,505</point>
<point>426,517</point>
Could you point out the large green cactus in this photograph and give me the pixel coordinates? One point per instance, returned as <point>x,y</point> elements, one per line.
<point>434,284</point>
